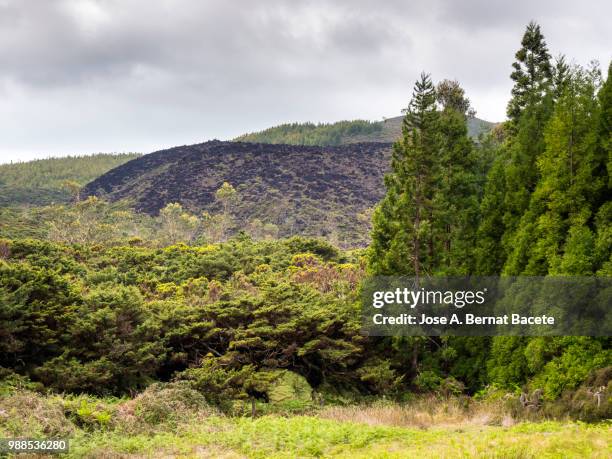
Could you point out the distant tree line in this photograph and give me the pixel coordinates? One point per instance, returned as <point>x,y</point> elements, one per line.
<point>314,134</point>
<point>44,181</point>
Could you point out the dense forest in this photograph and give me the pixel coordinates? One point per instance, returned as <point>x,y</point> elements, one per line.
<point>346,132</point>
<point>314,134</point>
<point>544,208</point>
<point>99,299</point>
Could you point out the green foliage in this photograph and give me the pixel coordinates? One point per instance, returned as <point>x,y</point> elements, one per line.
<point>514,174</point>
<point>574,360</point>
<point>169,404</point>
<point>114,319</point>
<point>426,222</point>
<point>401,224</point>
<point>544,210</point>
<point>88,413</point>
<point>546,207</point>
<point>553,234</point>
<point>314,134</point>
<point>114,301</point>
<point>42,182</point>
<point>532,72</point>
<point>37,306</point>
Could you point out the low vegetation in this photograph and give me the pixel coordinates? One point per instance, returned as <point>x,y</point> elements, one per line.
<point>175,421</point>
<point>47,181</point>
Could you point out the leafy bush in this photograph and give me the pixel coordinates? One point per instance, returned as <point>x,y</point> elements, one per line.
<point>89,413</point>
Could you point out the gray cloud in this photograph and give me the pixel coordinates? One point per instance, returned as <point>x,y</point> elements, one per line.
<point>125,75</point>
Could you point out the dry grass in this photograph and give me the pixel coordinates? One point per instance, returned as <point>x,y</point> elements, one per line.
<point>425,412</point>
<point>162,406</point>
<point>29,414</point>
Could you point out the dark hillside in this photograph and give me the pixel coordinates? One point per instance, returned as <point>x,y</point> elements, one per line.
<point>310,190</point>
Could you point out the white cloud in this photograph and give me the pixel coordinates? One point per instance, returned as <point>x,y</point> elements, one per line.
<point>135,75</point>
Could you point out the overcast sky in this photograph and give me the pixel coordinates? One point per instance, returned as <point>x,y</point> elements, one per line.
<point>85,76</point>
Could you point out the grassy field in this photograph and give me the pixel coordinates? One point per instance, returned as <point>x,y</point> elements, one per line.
<point>311,436</point>
<point>173,423</point>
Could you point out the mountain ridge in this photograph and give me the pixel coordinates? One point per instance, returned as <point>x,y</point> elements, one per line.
<point>343,132</point>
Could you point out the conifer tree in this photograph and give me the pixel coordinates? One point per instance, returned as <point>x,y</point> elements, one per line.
<point>603,219</point>
<point>401,226</point>
<point>570,182</point>
<point>455,203</point>
<point>560,78</point>
<point>532,72</point>
<point>513,176</point>
<point>489,253</point>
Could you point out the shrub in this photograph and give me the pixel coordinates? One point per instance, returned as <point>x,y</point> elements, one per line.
<point>89,413</point>
<point>28,414</point>
<point>427,381</point>
<point>165,405</point>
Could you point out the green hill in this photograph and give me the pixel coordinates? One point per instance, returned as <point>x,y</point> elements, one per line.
<point>40,182</point>
<point>343,132</point>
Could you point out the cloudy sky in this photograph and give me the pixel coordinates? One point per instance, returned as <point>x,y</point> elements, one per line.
<point>85,76</point>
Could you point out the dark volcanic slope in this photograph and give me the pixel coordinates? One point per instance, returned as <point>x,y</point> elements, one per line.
<point>302,189</point>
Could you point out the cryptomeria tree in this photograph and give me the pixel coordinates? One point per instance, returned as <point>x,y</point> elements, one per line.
<point>455,200</point>
<point>570,186</point>
<point>514,174</point>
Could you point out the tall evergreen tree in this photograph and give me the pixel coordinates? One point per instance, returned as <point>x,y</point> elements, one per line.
<point>401,226</point>
<point>513,176</point>
<point>455,203</point>
<point>560,78</point>
<point>571,183</point>
<point>425,224</point>
<point>603,219</point>
<point>532,72</point>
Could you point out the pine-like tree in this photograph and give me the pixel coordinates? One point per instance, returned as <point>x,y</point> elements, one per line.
<point>603,219</point>
<point>571,183</point>
<point>401,226</point>
<point>532,73</point>
<point>561,74</point>
<point>507,198</point>
<point>455,202</point>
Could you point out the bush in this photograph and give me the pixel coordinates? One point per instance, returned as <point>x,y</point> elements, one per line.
<point>165,405</point>
<point>11,382</point>
<point>589,403</point>
<point>427,381</point>
<point>28,414</point>
<point>89,413</point>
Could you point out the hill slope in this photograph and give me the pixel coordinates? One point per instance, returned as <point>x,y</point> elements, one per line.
<point>344,132</point>
<point>309,190</point>
<point>40,182</point>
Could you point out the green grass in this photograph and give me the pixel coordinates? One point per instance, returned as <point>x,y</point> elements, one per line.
<point>308,436</point>
<point>173,422</point>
